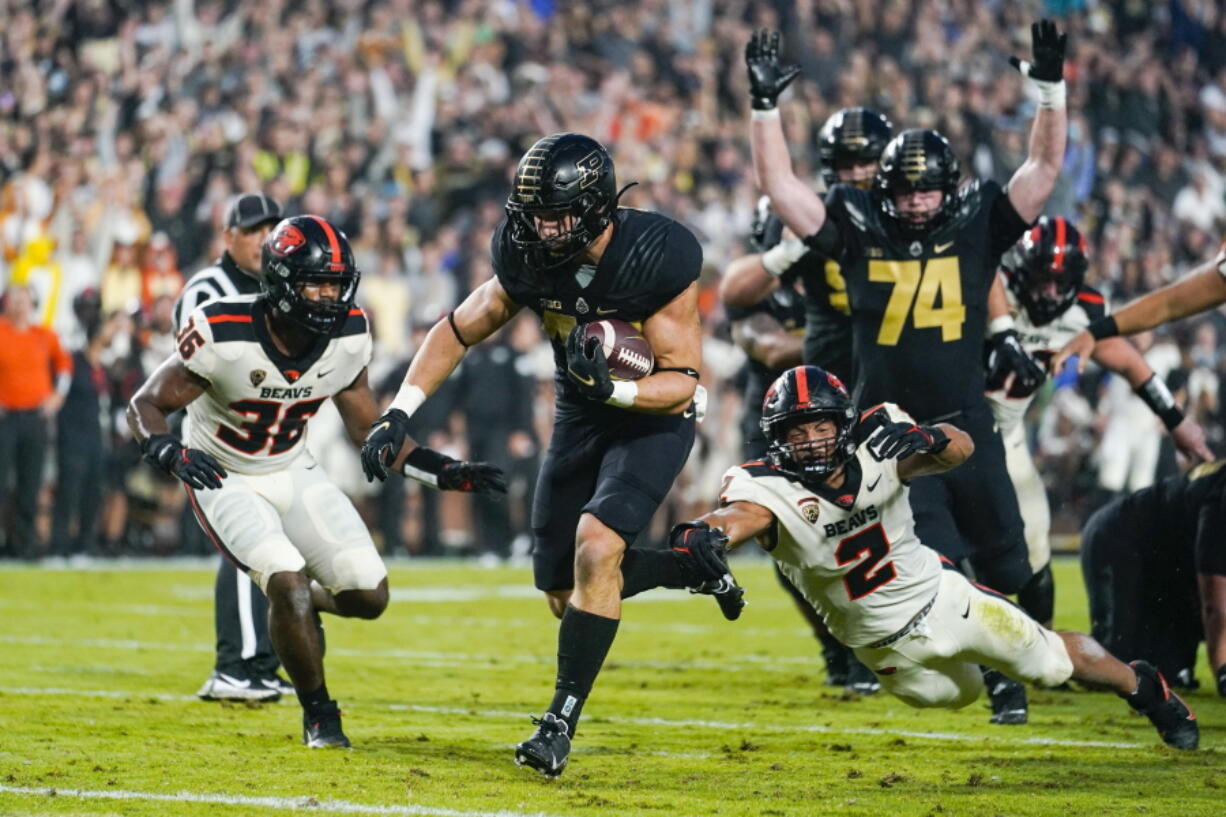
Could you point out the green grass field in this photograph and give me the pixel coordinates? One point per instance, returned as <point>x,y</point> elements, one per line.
<point>692,716</point>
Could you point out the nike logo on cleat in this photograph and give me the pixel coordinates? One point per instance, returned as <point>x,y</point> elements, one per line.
<point>243,683</point>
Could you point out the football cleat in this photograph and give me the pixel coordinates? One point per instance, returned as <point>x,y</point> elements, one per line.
<point>836,658</point>
<point>322,730</point>
<point>1174,720</point>
<point>860,679</point>
<point>1009,707</point>
<point>729,595</point>
<point>275,681</point>
<point>224,686</point>
<point>549,747</point>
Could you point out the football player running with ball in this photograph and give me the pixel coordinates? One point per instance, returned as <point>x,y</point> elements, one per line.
<point>251,370</point>
<point>830,504</point>
<point>919,256</point>
<point>566,251</point>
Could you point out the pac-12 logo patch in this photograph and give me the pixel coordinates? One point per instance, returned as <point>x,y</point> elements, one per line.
<point>257,376</point>
<point>810,509</point>
<point>286,239</point>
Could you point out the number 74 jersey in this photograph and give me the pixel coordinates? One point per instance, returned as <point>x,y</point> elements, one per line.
<point>253,415</point>
<point>851,551</point>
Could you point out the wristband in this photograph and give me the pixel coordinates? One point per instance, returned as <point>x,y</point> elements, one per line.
<point>1160,401</point>
<point>781,257</point>
<point>155,447</point>
<point>424,465</point>
<point>1001,323</point>
<point>624,392</point>
<point>1051,94</point>
<point>1103,328</point>
<point>760,114</point>
<point>408,399</point>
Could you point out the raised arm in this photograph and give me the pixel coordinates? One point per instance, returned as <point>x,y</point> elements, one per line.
<point>481,314</point>
<point>920,450</point>
<point>798,206</point>
<point>1034,181</point>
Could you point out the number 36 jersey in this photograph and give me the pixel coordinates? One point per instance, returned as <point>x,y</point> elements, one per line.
<point>852,551</point>
<point>254,413</point>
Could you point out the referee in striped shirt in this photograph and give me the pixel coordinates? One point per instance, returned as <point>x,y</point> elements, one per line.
<point>246,665</point>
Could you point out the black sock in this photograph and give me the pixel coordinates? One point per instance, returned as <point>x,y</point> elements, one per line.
<point>315,701</point>
<point>1147,692</point>
<point>648,568</point>
<point>583,642</point>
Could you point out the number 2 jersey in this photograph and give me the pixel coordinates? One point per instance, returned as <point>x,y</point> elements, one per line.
<point>919,302</point>
<point>254,413</point>
<point>852,551</point>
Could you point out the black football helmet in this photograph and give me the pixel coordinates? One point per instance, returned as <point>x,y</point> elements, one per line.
<point>305,250</point>
<point>801,395</point>
<point>852,136</point>
<point>918,160</point>
<point>1046,268</point>
<point>566,177</point>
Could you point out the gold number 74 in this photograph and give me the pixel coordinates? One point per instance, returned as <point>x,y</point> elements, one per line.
<point>921,284</point>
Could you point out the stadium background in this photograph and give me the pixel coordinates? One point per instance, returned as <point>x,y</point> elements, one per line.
<point>125,128</point>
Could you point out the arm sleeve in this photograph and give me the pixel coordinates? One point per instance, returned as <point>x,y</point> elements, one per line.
<point>828,241</point>
<point>1005,226</point>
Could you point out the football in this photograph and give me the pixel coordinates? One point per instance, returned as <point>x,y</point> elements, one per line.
<point>625,348</point>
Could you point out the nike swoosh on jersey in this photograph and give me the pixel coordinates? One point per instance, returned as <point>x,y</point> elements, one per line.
<point>325,374</point>
<point>942,247</point>
<point>967,614</point>
<point>874,485</point>
<point>602,311</point>
<point>688,413</point>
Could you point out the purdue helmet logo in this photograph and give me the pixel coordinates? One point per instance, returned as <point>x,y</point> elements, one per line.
<point>589,169</point>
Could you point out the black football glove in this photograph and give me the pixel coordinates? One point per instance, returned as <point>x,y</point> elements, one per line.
<point>701,550</point>
<point>472,477</point>
<point>767,78</point>
<point>383,443</point>
<point>194,467</point>
<point>766,230</point>
<point>1005,356</point>
<point>1221,681</point>
<point>1047,48</point>
<point>586,365</point>
<point>897,441</point>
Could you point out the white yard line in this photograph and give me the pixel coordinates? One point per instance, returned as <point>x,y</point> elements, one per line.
<point>282,803</point>
<point>728,726</point>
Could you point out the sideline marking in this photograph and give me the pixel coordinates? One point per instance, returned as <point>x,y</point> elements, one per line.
<point>306,802</point>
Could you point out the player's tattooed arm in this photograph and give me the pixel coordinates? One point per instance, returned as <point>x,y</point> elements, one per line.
<point>800,208</point>
<point>676,341</point>
<point>169,389</point>
<point>765,340</point>
<point>740,521</point>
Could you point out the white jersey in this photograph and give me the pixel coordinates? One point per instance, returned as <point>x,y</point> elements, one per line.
<point>1043,342</point>
<point>253,415</point>
<point>851,551</point>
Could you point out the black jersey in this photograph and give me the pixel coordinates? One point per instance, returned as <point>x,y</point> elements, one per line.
<point>650,260</point>
<point>919,305</point>
<point>1183,516</point>
<point>827,313</point>
<point>784,305</point>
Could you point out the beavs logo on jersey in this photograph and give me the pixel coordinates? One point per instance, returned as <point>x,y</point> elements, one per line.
<point>809,509</point>
<point>287,239</point>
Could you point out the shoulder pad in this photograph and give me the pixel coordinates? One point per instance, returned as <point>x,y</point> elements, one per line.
<point>760,468</point>
<point>230,318</point>
<point>355,323</point>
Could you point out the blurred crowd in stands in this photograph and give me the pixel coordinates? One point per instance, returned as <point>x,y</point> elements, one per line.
<point>127,126</point>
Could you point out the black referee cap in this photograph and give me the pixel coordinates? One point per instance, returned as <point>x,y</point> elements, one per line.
<point>250,209</point>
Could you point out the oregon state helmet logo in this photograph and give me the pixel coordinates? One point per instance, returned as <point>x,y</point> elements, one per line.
<point>287,239</point>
